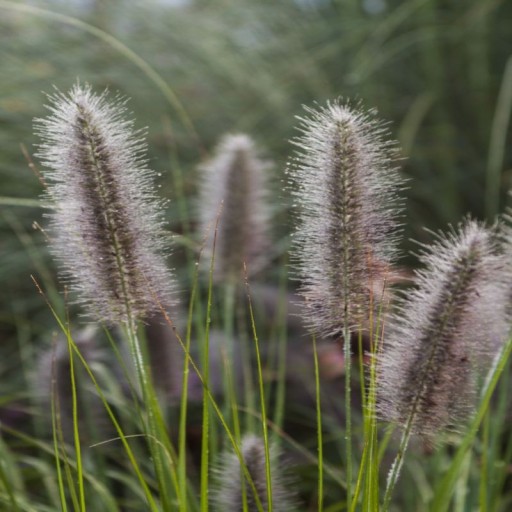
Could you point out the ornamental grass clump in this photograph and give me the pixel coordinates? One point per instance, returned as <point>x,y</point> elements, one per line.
<point>233,207</point>
<point>345,184</point>
<point>106,224</point>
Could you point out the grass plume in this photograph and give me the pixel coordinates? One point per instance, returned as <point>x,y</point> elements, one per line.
<point>446,331</point>
<point>106,223</point>
<point>235,177</point>
<point>345,184</point>
<point>447,327</point>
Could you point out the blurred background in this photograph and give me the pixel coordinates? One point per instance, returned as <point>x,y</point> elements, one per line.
<point>440,71</point>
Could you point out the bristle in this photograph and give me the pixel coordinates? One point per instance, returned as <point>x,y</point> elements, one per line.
<point>345,185</point>
<point>446,330</point>
<point>235,178</point>
<point>106,225</point>
<point>231,480</point>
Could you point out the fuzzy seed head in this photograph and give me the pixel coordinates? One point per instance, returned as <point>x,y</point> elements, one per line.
<point>106,227</point>
<point>345,184</point>
<point>446,330</point>
<point>235,179</point>
<point>231,480</point>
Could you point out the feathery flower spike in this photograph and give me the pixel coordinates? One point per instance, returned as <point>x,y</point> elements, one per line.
<point>107,224</point>
<point>235,176</point>
<point>345,184</point>
<point>445,330</point>
<point>231,479</point>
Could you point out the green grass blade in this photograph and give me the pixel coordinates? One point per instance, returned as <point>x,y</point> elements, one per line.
<point>182,434</point>
<point>281,363</point>
<point>262,396</point>
<point>320,441</point>
<point>498,142</point>
<point>76,434</point>
<point>205,434</point>
<point>484,472</point>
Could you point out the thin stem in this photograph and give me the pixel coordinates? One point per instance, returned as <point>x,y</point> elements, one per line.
<point>281,363</point>
<point>483,499</point>
<point>230,290</point>
<point>76,434</point>
<point>182,436</point>
<point>262,398</point>
<point>319,430</point>
<point>206,379</point>
<point>348,413</point>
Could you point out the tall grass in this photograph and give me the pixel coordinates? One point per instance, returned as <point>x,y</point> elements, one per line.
<point>248,367</point>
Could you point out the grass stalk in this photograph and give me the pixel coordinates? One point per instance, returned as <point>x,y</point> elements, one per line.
<point>60,447</point>
<point>76,433</point>
<point>205,433</point>
<point>263,407</point>
<point>320,442</point>
<point>228,354</point>
<point>182,433</point>
<point>348,408</point>
<point>500,443</point>
<point>56,449</point>
<point>281,363</point>
<point>371,494</point>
